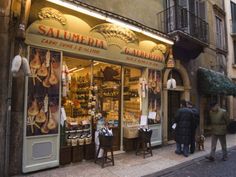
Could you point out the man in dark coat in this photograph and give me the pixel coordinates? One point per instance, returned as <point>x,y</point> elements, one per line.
<point>183,132</point>
<point>195,124</point>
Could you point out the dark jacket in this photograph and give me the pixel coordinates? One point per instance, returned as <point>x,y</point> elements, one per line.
<point>184,120</point>
<point>196,118</point>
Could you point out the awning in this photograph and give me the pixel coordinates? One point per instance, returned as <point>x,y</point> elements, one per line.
<point>212,82</point>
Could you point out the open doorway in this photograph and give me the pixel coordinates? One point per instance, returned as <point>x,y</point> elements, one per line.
<point>173,105</point>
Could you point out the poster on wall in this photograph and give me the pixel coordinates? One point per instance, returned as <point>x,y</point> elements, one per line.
<point>154,96</point>
<point>43,92</point>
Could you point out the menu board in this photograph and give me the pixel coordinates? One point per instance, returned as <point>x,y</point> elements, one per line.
<point>43,92</point>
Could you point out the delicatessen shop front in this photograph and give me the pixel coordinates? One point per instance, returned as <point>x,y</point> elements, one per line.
<point>86,74</point>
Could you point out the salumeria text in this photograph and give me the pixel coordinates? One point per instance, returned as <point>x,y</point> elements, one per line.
<point>71,37</point>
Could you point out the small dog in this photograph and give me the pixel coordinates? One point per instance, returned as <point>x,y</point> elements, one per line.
<point>200,142</point>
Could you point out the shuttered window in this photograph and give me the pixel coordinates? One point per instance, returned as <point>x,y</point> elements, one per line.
<point>233,16</point>
<point>220,33</point>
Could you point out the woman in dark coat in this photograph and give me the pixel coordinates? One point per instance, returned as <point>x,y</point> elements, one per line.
<point>183,132</point>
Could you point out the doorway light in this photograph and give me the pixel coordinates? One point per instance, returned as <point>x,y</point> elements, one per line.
<point>110,19</point>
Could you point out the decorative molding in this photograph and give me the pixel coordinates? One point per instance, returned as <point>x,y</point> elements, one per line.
<point>109,30</point>
<point>160,47</point>
<point>219,9</point>
<point>50,13</point>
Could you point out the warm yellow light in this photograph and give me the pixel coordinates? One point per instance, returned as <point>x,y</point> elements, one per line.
<point>72,69</point>
<point>96,63</point>
<point>110,19</point>
<point>78,8</point>
<point>147,33</point>
<point>78,70</point>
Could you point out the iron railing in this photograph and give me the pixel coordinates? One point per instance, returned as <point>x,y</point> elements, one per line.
<point>177,18</point>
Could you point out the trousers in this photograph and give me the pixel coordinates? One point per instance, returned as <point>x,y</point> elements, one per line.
<point>222,139</point>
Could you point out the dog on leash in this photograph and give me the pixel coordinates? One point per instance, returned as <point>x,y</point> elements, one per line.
<point>200,142</point>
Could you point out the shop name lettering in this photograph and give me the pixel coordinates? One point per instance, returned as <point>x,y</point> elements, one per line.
<point>71,37</point>
<point>142,54</point>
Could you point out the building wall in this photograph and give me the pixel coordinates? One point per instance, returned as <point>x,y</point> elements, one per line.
<point>231,67</point>
<point>207,59</point>
<point>4,71</point>
<point>141,11</point>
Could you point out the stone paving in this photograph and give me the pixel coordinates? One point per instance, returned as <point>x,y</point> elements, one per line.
<point>130,165</point>
<point>201,167</point>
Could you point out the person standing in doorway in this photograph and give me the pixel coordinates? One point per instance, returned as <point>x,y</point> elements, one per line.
<point>219,121</point>
<point>183,132</point>
<point>195,124</point>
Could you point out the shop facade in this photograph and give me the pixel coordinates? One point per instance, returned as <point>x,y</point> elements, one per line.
<point>91,69</point>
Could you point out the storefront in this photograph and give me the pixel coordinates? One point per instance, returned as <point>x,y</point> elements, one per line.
<point>90,68</point>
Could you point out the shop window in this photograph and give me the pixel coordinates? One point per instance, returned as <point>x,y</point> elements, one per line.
<point>107,79</point>
<point>131,96</point>
<point>76,94</point>
<point>154,96</point>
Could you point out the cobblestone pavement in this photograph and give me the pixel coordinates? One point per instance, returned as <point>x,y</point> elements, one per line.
<point>201,167</point>
<point>130,165</point>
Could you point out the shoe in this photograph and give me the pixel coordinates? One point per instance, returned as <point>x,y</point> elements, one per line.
<point>185,155</point>
<point>178,152</point>
<point>224,159</point>
<point>210,158</point>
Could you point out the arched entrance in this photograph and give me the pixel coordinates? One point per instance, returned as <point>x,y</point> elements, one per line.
<point>172,97</point>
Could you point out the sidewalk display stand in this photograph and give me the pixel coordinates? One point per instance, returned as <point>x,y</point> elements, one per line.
<point>105,144</point>
<point>144,142</point>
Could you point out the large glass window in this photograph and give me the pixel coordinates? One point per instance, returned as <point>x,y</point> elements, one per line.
<point>132,99</point>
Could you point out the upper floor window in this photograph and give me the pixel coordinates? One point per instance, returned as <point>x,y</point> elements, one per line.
<point>220,34</point>
<point>233,16</point>
<point>234,61</point>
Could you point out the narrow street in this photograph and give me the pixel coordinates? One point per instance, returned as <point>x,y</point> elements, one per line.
<point>201,167</point>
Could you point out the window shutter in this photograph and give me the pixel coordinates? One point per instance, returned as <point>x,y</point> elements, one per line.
<point>202,8</point>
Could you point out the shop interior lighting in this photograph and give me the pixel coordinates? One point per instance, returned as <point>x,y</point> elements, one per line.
<point>109,19</point>
<point>72,69</point>
<point>78,70</point>
<point>96,63</point>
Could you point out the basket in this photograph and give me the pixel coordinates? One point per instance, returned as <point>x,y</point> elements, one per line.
<point>105,141</point>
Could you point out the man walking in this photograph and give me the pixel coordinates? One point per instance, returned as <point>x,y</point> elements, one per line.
<point>219,120</point>
<point>184,120</point>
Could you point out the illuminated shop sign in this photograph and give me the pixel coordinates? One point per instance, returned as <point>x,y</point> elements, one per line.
<point>70,36</point>
<point>142,54</point>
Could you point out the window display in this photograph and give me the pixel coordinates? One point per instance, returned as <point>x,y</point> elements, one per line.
<point>132,99</point>
<point>78,94</point>
<point>154,96</point>
<point>43,92</point>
